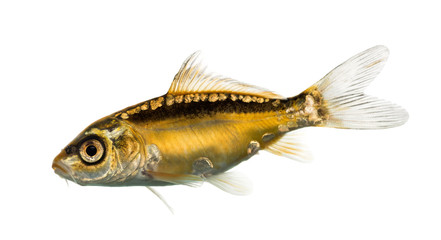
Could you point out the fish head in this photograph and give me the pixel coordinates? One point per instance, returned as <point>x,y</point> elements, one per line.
<point>108,152</point>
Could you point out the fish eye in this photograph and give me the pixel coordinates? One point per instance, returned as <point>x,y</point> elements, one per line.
<point>91,150</point>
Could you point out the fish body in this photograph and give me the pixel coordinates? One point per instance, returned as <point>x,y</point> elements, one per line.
<point>207,124</point>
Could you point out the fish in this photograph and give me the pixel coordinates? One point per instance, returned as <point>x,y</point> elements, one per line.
<point>206,124</point>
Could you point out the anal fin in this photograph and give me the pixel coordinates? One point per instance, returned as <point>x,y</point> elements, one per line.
<point>291,146</point>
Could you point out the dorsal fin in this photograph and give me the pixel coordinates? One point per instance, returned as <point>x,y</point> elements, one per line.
<point>192,78</point>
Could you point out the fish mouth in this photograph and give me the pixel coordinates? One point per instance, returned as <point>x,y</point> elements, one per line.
<point>60,168</point>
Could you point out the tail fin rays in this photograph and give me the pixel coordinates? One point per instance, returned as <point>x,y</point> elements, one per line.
<point>349,107</point>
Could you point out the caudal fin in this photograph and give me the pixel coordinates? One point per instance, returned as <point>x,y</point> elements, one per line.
<point>343,92</point>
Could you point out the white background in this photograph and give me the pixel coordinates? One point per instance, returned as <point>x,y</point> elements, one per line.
<point>64,64</point>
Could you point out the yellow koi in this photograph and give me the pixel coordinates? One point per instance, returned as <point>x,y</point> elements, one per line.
<point>206,124</point>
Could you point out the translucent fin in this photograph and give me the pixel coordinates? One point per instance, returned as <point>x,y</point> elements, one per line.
<point>192,78</point>
<point>291,146</point>
<point>348,106</point>
<point>179,179</point>
<point>231,182</point>
<point>161,198</point>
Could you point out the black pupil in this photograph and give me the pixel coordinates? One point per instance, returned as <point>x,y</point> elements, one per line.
<point>91,150</point>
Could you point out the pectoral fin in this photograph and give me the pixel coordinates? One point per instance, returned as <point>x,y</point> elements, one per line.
<point>179,179</point>
<point>161,198</point>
